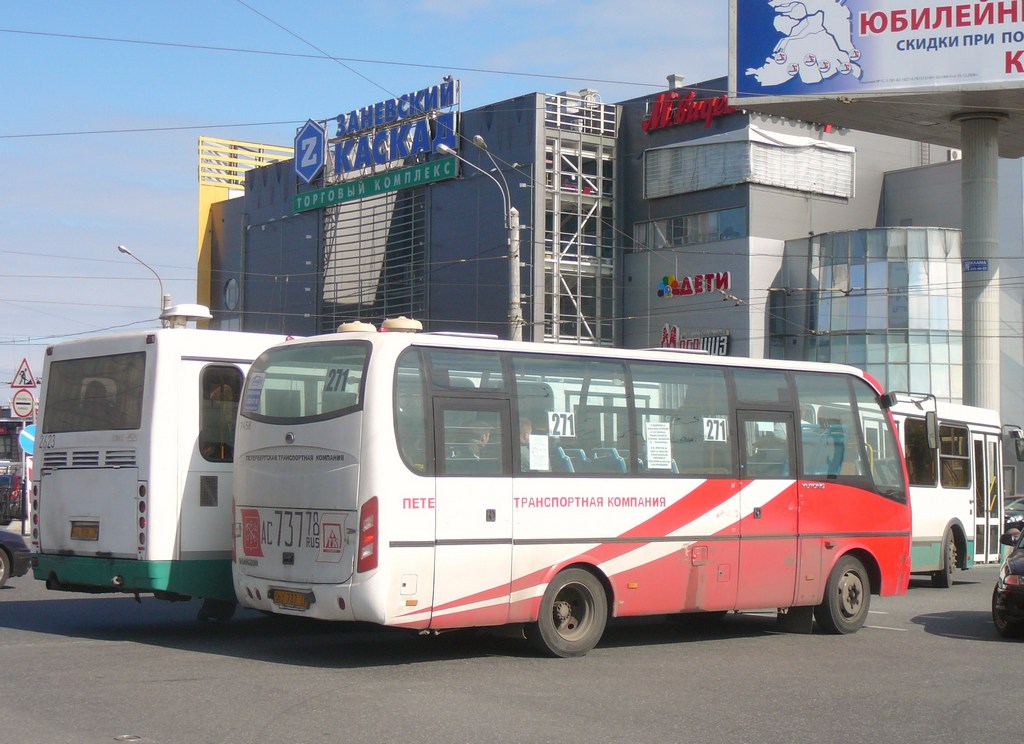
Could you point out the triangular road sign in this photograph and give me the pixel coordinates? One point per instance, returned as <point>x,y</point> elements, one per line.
<point>23,378</point>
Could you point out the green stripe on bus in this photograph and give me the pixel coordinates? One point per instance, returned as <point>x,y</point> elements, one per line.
<point>197,578</point>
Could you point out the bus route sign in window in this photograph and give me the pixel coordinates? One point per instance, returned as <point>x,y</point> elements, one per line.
<point>311,382</point>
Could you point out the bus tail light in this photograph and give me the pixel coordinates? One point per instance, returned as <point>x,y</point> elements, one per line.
<point>367,560</point>
<point>143,495</point>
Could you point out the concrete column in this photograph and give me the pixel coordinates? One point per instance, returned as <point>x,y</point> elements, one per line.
<point>979,192</point>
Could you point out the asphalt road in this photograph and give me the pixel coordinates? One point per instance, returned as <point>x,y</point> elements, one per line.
<point>928,667</point>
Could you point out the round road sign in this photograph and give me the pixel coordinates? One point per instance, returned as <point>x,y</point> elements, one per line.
<point>23,404</point>
<point>27,439</point>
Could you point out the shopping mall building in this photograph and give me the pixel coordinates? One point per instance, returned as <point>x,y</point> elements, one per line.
<point>667,220</point>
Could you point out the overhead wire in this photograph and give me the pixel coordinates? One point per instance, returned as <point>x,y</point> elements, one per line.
<point>345,63</point>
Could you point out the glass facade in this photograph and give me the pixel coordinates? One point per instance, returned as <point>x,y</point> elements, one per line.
<point>886,300</point>
<point>691,229</point>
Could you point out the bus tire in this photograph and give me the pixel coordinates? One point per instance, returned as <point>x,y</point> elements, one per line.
<point>573,615</point>
<point>847,598</point>
<point>5,567</point>
<point>943,578</point>
<point>216,611</point>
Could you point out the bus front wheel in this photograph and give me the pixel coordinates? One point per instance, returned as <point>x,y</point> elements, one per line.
<point>573,615</point>
<point>847,597</point>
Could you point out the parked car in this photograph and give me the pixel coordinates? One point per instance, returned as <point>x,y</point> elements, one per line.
<point>15,556</point>
<point>1008,595</point>
<point>1013,510</point>
<point>10,498</point>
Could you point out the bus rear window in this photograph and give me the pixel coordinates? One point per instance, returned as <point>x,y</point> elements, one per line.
<point>307,382</point>
<point>95,394</point>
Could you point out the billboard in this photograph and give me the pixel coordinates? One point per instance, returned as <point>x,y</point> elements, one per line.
<point>849,47</point>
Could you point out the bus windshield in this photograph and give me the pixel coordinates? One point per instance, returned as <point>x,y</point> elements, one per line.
<point>102,393</point>
<point>312,382</point>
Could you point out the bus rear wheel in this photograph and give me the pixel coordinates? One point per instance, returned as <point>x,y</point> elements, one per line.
<point>943,578</point>
<point>847,597</point>
<point>573,615</point>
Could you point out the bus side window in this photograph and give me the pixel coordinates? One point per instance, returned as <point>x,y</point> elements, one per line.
<point>584,401</point>
<point>954,456</point>
<point>219,388</point>
<point>473,442</point>
<point>410,411</point>
<point>536,401</point>
<point>683,423</point>
<point>920,458</point>
<point>767,449</point>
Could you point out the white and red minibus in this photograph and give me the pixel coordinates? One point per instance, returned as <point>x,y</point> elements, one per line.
<point>433,481</point>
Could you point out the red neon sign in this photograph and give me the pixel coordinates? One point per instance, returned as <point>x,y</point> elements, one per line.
<point>671,108</point>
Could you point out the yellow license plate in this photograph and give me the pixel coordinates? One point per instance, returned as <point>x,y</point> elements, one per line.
<point>289,600</point>
<point>85,530</point>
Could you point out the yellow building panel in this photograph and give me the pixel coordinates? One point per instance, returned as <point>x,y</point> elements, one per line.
<point>222,168</point>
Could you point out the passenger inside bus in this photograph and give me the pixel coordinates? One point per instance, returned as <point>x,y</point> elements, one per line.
<point>95,407</point>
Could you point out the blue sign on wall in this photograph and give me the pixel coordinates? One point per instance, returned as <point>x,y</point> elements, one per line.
<point>310,150</point>
<point>975,264</point>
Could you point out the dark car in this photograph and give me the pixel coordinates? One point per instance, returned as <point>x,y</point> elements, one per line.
<point>1008,596</point>
<point>10,498</point>
<point>1013,512</point>
<point>14,556</point>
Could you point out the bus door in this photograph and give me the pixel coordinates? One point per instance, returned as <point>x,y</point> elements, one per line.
<point>769,509</point>
<point>988,496</point>
<point>473,512</point>
<point>207,404</point>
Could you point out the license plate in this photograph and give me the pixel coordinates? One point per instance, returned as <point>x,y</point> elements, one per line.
<point>85,530</point>
<point>289,600</point>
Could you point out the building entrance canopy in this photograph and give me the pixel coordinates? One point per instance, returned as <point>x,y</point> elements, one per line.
<point>933,117</point>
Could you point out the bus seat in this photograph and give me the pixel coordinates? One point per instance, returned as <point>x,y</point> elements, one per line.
<point>577,458</point>
<point>565,461</point>
<point>608,460</point>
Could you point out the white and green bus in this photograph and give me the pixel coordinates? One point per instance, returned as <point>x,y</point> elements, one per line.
<point>953,455</point>
<point>134,455</point>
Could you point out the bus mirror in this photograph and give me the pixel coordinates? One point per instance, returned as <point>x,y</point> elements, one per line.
<point>931,427</point>
<point>888,400</point>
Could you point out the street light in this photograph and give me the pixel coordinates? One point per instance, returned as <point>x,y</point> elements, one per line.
<point>165,299</point>
<point>515,307</point>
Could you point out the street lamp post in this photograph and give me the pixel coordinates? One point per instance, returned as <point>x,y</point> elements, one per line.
<point>165,299</point>
<point>515,307</point>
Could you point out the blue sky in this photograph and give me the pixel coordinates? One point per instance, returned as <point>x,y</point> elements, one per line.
<point>104,102</point>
